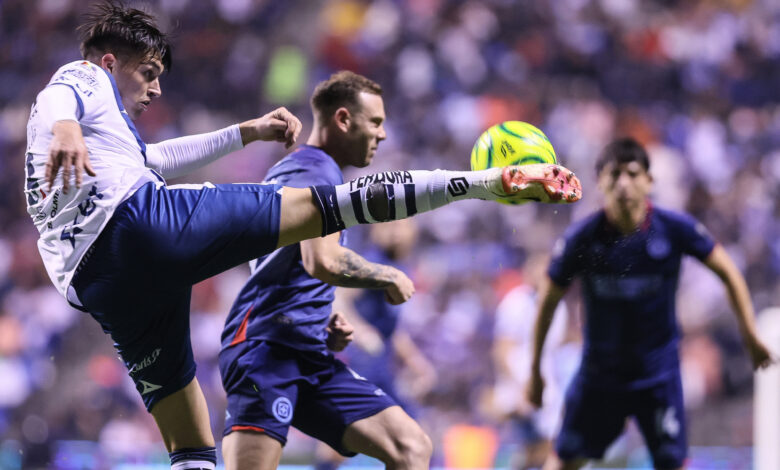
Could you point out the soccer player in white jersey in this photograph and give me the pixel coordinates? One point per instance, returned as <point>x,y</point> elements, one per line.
<point>120,244</point>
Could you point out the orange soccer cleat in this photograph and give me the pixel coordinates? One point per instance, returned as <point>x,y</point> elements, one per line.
<point>541,182</point>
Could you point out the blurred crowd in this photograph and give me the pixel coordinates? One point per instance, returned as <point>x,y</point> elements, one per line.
<point>695,81</point>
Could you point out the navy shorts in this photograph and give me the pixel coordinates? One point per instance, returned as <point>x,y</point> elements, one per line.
<point>271,387</point>
<point>137,277</point>
<point>595,416</point>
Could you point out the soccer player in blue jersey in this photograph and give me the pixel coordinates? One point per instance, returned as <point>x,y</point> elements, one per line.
<point>628,257</point>
<point>276,367</point>
<point>119,243</point>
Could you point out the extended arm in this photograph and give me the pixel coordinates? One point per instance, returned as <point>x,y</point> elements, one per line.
<point>721,264</point>
<point>176,157</point>
<point>549,296</point>
<point>326,260</point>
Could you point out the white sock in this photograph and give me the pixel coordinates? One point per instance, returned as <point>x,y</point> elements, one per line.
<point>411,192</point>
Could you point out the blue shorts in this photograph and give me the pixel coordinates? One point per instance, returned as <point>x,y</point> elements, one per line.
<point>137,277</point>
<point>271,387</point>
<point>595,416</point>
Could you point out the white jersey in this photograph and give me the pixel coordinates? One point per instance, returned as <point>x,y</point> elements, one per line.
<point>515,321</point>
<point>69,223</point>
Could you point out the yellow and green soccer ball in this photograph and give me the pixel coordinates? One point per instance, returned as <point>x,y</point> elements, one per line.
<point>511,143</point>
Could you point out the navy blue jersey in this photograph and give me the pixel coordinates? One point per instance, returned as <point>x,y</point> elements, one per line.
<point>629,284</point>
<point>281,302</point>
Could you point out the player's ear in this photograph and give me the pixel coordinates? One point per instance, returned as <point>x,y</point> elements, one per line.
<point>108,62</point>
<point>343,118</point>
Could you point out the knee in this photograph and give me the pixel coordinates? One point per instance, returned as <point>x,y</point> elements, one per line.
<point>412,450</point>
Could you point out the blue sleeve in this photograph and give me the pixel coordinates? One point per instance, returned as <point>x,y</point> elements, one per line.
<point>567,258</point>
<point>693,237</point>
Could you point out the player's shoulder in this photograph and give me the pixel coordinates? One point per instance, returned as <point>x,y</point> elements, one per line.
<point>586,227</point>
<point>680,224</point>
<point>306,159</point>
<point>673,218</point>
<point>81,71</point>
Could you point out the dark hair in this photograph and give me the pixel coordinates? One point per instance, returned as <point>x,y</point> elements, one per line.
<point>128,33</point>
<point>341,89</point>
<point>623,150</point>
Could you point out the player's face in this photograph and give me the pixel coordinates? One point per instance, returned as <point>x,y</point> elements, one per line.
<point>138,84</point>
<point>625,186</point>
<point>367,129</point>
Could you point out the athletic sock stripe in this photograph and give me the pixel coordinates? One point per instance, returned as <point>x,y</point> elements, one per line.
<point>410,198</point>
<point>390,201</point>
<point>357,206</point>
<point>193,465</point>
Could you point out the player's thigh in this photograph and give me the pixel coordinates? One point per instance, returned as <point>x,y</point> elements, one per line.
<point>150,330</point>
<point>242,450</point>
<point>337,398</point>
<point>390,435</point>
<point>149,327</point>
<point>300,218</point>
<point>660,413</point>
<point>261,381</point>
<point>182,234</point>
<point>593,418</point>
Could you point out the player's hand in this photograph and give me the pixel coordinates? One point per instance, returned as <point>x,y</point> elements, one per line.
<point>760,354</point>
<point>340,332</point>
<point>69,152</point>
<point>400,290</point>
<point>279,125</point>
<point>535,388</point>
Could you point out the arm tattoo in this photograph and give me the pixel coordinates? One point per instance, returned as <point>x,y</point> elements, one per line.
<point>352,270</point>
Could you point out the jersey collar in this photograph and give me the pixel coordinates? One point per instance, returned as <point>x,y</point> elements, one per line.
<point>611,229</point>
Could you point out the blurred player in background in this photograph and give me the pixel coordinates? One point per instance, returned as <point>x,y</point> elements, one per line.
<point>512,354</point>
<point>275,364</point>
<point>120,244</point>
<point>380,347</point>
<point>628,256</point>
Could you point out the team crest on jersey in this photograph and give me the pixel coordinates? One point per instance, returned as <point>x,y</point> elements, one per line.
<point>282,410</point>
<point>658,247</point>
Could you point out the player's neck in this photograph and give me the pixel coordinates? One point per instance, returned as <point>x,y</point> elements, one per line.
<point>318,138</point>
<point>626,220</point>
